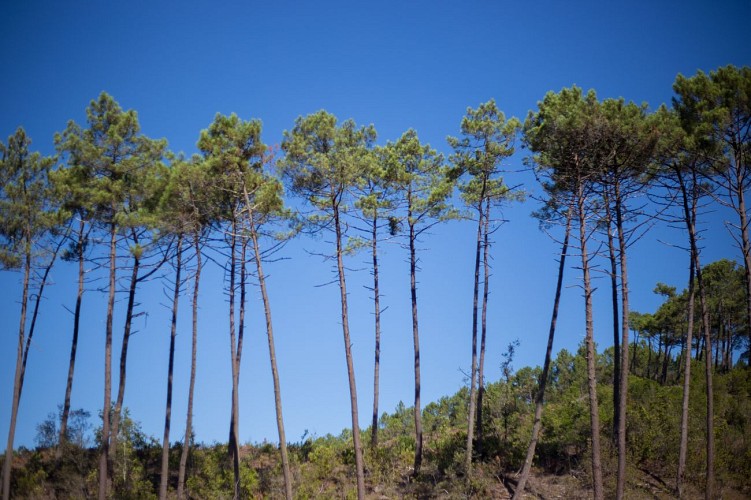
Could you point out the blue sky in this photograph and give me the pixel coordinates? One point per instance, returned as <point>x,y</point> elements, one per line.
<point>396,65</point>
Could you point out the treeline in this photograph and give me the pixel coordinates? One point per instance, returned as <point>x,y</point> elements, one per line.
<point>323,466</point>
<point>112,189</point>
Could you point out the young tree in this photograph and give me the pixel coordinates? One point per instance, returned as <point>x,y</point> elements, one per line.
<point>74,187</point>
<point>628,146</point>
<point>423,186</point>
<point>547,215</point>
<point>25,218</point>
<point>565,134</point>
<point>264,206</point>
<point>374,201</point>
<point>113,149</point>
<point>322,163</point>
<point>487,139</point>
<point>192,189</point>
<point>230,146</point>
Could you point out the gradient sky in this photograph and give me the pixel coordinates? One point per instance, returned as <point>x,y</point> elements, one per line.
<point>394,64</point>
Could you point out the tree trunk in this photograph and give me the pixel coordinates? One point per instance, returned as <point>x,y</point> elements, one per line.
<point>540,396</point>
<point>168,411</point>
<point>74,343</point>
<point>104,455</point>
<point>690,220</point>
<point>612,258</point>
<point>8,463</point>
<point>709,489</point>
<point>483,327</point>
<point>274,371</point>
<point>623,382</point>
<point>359,466</point>
<point>416,340</point>
<point>745,243</point>
<point>234,439</point>
<point>473,369</point>
<point>124,350</point>
<point>192,384</point>
<point>594,412</point>
<point>377,306</point>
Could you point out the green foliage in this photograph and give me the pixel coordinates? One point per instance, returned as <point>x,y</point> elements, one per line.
<point>26,200</point>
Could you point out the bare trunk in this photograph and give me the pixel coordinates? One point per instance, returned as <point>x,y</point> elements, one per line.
<point>7,464</point>
<point>104,454</point>
<point>483,327</point>
<point>473,369</point>
<point>416,339</point>
<point>540,396</point>
<point>690,218</point>
<point>191,387</point>
<point>377,307</point>
<point>594,413</point>
<point>623,366</point>
<point>612,258</point>
<point>274,371</point>
<point>168,411</point>
<point>74,342</point>
<point>709,489</point>
<point>234,444</point>
<point>124,350</point>
<point>359,466</point>
<point>745,243</point>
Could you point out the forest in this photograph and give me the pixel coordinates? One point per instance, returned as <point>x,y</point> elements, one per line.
<point>663,412</point>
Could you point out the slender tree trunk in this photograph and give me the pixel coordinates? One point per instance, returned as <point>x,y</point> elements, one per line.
<point>416,339</point>
<point>473,369</point>
<point>623,368</point>
<point>124,350</point>
<point>104,455</point>
<point>234,441</point>
<point>689,217</point>
<point>74,343</point>
<point>665,363</point>
<point>235,413</point>
<point>709,489</point>
<point>359,466</point>
<point>540,396</point>
<point>484,325</point>
<point>594,412</point>
<point>612,258</point>
<point>274,371</point>
<point>377,306</point>
<point>192,384</point>
<point>745,243</point>
<point>168,411</point>
<point>8,463</point>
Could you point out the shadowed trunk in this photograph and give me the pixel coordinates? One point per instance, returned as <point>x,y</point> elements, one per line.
<point>473,370</point>
<point>359,466</point>
<point>7,464</point>
<point>74,341</point>
<point>124,350</point>
<point>416,340</point>
<point>377,306</point>
<point>594,413</point>
<point>623,381</point>
<point>540,396</point>
<point>274,371</point>
<point>484,325</point>
<point>709,487</point>
<point>192,384</point>
<point>234,444</point>
<point>104,454</point>
<point>168,412</point>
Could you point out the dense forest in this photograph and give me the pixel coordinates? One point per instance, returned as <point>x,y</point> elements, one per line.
<point>664,411</point>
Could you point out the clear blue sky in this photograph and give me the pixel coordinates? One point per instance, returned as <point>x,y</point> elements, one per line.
<point>396,65</point>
